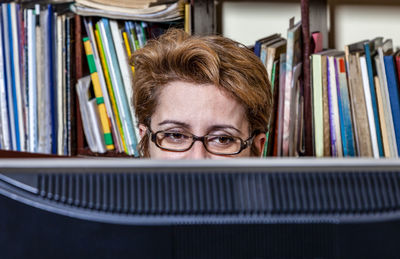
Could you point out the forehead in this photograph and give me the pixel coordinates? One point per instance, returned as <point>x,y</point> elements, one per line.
<point>199,106</point>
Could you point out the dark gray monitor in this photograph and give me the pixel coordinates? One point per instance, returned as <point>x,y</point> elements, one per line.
<point>242,208</point>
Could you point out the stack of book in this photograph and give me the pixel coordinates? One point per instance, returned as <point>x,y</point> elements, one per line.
<point>39,47</point>
<point>356,100</point>
<point>354,97</point>
<point>35,78</point>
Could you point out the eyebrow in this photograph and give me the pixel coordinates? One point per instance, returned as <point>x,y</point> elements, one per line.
<point>223,126</point>
<point>179,123</point>
<point>212,128</point>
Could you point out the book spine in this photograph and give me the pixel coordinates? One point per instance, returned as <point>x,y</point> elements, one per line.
<point>394,96</point>
<point>118,132</point>
<point>318,105</point>
<point>120,95</point>
<point>380,65</point>
<point>344,109</point>
<point>125,72</point>
<point>333,109</point>
<point>51,79</point>
<point>8,79</point>
<point>373,97</point>
<point>325,105</point>
<point>15,77</point>
<point>368,103</point>
<point>96,48</point>
<point>382,118</point>
<point>99,96</point>
<point>33,130</point>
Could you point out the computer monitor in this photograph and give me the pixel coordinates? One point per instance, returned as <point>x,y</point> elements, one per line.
<point>242,208</point>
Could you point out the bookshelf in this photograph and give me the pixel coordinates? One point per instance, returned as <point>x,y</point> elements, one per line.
<point>206,20</point>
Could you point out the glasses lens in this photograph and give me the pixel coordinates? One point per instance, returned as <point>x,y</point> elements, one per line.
<point>173,140</point>
<point>223,144</point>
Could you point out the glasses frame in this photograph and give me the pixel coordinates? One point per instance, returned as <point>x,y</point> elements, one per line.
<point>243,143</point>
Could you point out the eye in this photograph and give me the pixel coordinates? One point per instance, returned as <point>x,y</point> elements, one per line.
<point>175,135</point>
<point>221,140</point>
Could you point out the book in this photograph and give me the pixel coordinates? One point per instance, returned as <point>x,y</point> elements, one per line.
<point>393,89</point>
<point>293,57</point>
<point>325,106</point>
<point>116,128</point>
<point>368,103</point>
<point>118,87</point>
<point>5,140</point>
<point>317,105</point>
<point>127,76</point>
<point>382,119</point>
<point>280,109</point>
<point>370,50</point>
<point>168,13</point>
<point>16,77</point>
<point>32,87</point>
<point>318,72</point>
<point>334,104</point>
<point>346,124</point>
<point>381,72</point>
<point>273,53</point>
<point>357,99</point>
<point>259,42</point>
<point>90,117</point>
<point>99,95</point>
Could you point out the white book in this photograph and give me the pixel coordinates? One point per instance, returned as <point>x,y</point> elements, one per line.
<point>368,103</point>
<point>60,84</point>
<point>381,71</point>
<point>104,90</point>
<point>7,51</point>
<point>334,108</point>
<point>90,117</point>
<point>32,87</point>
<point>4,121</point>
<point>126,72</point>
<point>17,77</point>
<point>318,105</point>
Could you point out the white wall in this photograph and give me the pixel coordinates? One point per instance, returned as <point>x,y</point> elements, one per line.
<point>247,21</point>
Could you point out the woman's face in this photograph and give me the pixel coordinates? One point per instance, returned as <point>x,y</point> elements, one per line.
<point>187,108</point>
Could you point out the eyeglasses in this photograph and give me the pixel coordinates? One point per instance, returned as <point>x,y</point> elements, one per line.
<point>214,143</point>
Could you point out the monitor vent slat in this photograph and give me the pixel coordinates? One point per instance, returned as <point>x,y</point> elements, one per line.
<point>225,193</point>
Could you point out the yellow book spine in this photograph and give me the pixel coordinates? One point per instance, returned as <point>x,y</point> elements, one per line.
<point>99,95</point>
<point>128,49</point>
<point>109,86</point>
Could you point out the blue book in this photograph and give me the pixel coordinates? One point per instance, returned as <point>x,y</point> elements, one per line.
<point>393,95</point>
<point>367,49</point>
<point>51,79</point>
<point>17,146</point>
<point>257,45</point>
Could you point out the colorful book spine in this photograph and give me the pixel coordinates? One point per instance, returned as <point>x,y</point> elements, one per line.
<point>394,96</point>
<point>5,141</point>
<point>125,71</point>
<point>373,97</point>
<point>120,138</point>
<point>99,95</point>
<point>336,139</point>
<point>97,49</point>
<point>344,109</point>
<point>118,86</point>
<point>128,49</point>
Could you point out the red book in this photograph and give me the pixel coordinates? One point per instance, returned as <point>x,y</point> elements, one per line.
<point>397,60</point>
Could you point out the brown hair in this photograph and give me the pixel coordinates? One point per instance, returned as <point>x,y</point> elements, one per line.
<point>177,56</point>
